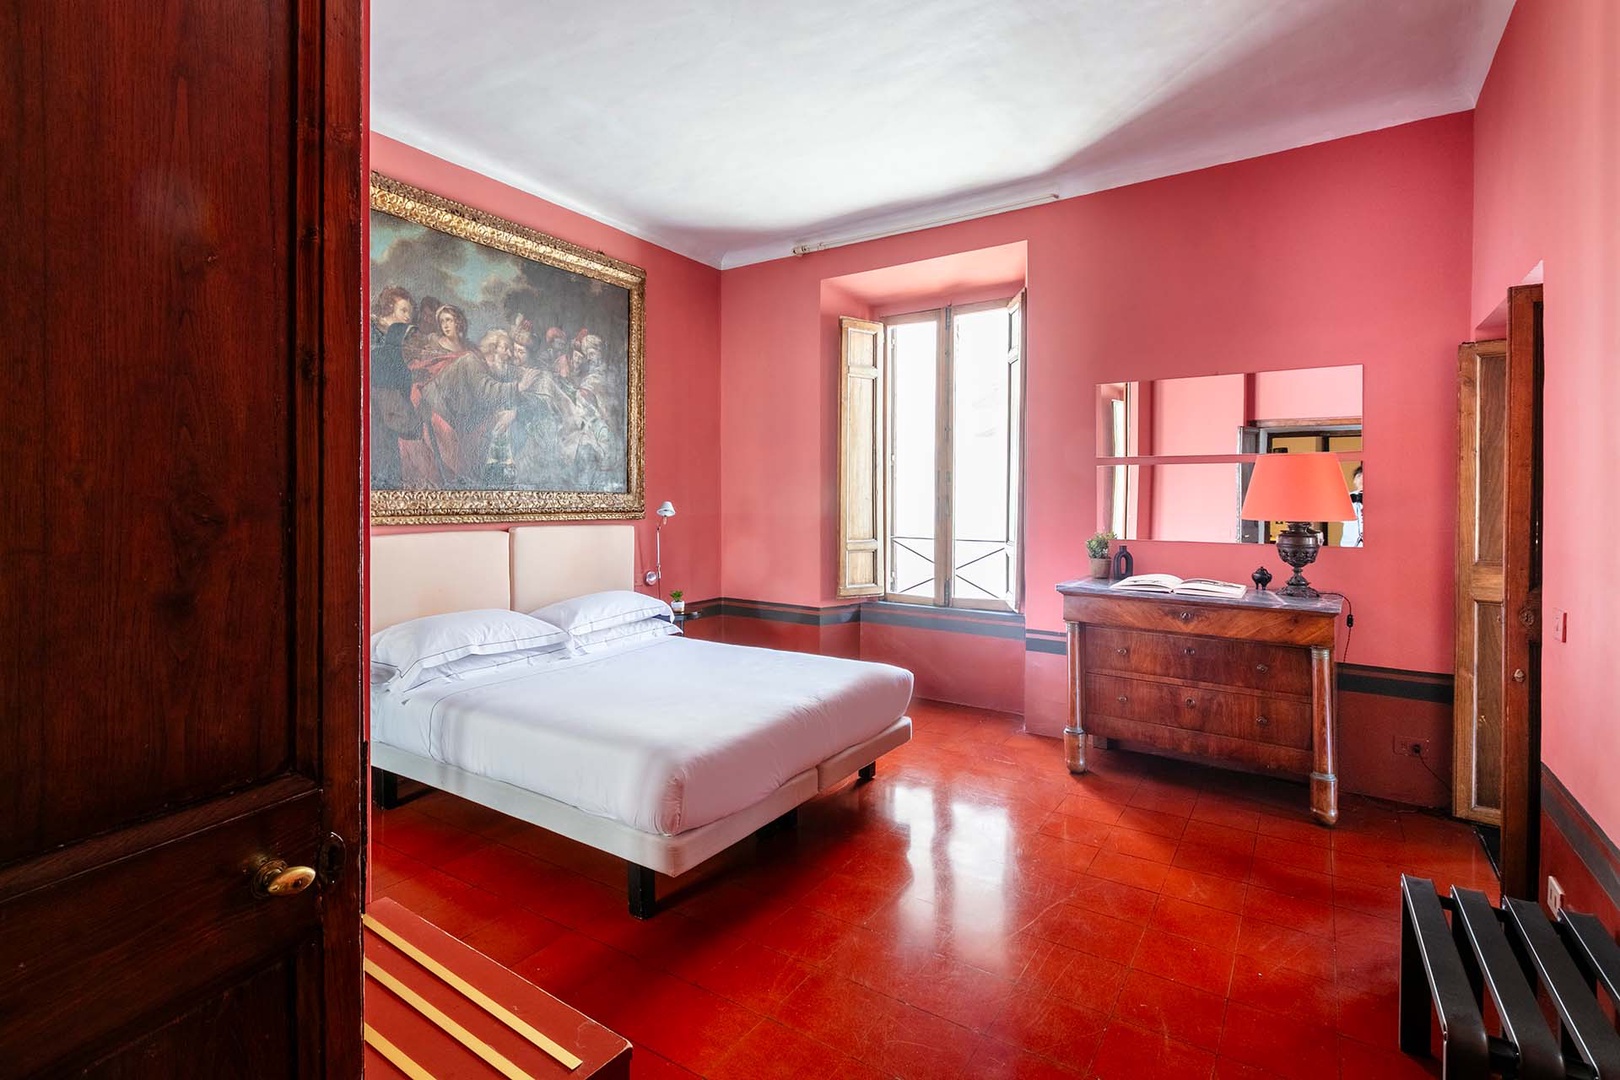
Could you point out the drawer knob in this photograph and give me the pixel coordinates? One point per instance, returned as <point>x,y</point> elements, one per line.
<point>1192,703</point>
<point>1123,651</point>
<point>1261,721</point>
<point>1262,668</point>
<point>1185,616</point>
<point>1122,699</point>
<point>1190,651</point>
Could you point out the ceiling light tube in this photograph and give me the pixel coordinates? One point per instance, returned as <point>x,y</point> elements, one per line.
<point>822,245</point>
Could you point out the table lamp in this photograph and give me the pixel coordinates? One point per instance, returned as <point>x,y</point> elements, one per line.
<point>1298,489</point>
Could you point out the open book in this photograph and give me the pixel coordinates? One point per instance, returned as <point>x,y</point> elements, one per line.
<point>1169,583</point>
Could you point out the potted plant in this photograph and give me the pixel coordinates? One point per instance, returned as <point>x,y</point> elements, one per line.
<point>1097,548</point>
<point>677,601</point>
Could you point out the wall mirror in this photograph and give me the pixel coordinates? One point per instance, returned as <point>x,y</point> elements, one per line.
<point>1156,439</point>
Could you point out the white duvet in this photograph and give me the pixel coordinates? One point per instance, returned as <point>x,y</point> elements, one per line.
<point>664,736</point>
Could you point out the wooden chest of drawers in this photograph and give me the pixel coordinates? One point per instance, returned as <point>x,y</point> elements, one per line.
<point>1247,680</point>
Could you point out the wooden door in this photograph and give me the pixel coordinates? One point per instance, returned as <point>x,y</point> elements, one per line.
<point>1520,673</point>
<point>1498,659</point>
<point>180,214</point>
<point>1482,389</point>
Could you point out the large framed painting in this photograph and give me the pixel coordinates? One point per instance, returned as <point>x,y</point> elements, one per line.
<point>506,369</point>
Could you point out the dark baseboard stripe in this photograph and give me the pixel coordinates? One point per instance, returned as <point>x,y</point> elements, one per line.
<point>1394,682</point>
<point>798,614</point>
<point>1053,642</point>
<point>948,620</point>
<point>1353,678</point>
<point>1591,845</point>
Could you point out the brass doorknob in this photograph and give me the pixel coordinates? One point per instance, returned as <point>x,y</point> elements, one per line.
<point>275,878</point>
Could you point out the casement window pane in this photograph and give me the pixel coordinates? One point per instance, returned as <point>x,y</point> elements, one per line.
<point>980,459</point>
<point>913,367</point>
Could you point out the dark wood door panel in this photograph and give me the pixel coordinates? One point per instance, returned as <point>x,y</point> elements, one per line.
<point>180,689</point>
<point>180,917</point>
<point>160,590</point>
<point>237,1031</point>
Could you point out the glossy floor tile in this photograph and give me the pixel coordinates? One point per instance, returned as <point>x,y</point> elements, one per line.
<point>974,912</point>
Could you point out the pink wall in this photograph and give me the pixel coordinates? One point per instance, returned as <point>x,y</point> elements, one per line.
<point>1315,394</point>
<point>1547,158</point>
<point>682,377</point>
<point>1198,416</point>
<point>1193,502</point>
<point>1354,251</point>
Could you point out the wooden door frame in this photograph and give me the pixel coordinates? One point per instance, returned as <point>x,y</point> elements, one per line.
<point>336,287</point>
<point>1465,803</point>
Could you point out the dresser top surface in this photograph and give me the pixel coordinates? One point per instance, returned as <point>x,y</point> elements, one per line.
<point>1252,599</point>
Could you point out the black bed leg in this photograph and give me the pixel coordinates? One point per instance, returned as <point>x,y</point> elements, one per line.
<point>384,788</point>
<point>643,895</point>
<point>868,771</point>
<point>785,823</point>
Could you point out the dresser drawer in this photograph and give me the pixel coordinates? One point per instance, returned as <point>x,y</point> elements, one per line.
<point>1258,718</point>
<point>1274,668</point>
<point>1272,620</point>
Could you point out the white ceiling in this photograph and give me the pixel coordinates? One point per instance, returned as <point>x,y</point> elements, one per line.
<point>731,130</point>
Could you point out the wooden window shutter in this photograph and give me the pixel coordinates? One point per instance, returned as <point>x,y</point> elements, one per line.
<point>1016,374</point>
<point>861,465</point>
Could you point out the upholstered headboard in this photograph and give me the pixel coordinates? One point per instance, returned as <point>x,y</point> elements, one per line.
<point>555,562</point>
<point>416,574</point>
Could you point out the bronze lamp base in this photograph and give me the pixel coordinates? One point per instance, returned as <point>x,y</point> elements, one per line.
<point>1297,547</point>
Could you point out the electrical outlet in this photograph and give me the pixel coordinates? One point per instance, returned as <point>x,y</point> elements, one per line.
<point>1555,896</point>
<point>1409,746</point>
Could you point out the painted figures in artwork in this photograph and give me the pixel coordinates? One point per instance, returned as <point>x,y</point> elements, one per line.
<point>468,394</point>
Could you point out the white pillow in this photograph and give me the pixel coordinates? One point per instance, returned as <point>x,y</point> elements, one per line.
<point>416,649</point>
<point>476,662</point>
<point>602,610</point>
<point>640,630</point>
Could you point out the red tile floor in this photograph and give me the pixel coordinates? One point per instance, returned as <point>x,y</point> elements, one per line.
<point>974,912</point>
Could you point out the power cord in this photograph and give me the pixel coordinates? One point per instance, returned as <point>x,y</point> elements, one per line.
<point>1349,631</point>
<point>1423,760</point>
<point>1349,624</point>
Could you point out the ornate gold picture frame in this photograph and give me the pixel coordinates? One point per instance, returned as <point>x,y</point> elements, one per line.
<point>506,369</point>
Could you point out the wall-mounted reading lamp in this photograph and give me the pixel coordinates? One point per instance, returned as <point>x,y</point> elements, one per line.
<point>652,576</point>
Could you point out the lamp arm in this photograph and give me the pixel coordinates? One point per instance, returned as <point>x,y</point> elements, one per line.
<point>653,576</point>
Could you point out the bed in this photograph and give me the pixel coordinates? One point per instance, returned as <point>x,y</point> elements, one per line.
<point>663,753</point>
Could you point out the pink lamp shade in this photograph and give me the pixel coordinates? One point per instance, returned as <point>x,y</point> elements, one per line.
<point>1297,487</point>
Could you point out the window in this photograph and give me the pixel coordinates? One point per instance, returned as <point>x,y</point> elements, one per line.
<point>936,399</point>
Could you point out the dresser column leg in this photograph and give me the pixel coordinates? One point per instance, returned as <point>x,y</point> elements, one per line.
<point>1074,736</point>
<point>1324,766</point>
